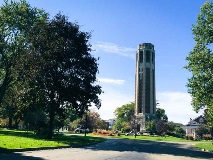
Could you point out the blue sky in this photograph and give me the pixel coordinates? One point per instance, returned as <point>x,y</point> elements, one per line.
<point>118,26</point>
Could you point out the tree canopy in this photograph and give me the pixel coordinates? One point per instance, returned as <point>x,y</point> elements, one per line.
<point>161,114</point>
<point>16,21</point>
<point>200,61</point>
<point>67,70</point>
<point>91,121</point>
<point>124,115</point>
<point>46,63</point>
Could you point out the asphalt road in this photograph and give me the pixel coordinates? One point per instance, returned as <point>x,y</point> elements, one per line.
<point>116,149</point>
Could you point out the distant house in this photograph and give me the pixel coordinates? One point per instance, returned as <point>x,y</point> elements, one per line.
<point>110,122</point>
<point>192,125</point>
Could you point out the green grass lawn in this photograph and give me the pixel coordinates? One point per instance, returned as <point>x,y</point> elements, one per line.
<point>206,146</point>
<point>151,138</point>
<point>156,138</point>
<point>201,145</point>
<point>17,140</point>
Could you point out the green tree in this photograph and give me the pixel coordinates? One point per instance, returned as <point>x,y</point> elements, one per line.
<point>209,116</point>
<point>121,125</point>
<point>161,114</point>
<point>175,130</point>
<point>67,72</point>
<point>200,61</point>
<point>201,130</point>
<point>151,126</point>
<point>124,116</point>
<point>9,108</point>
<point>16,21</point>
<point>125,112</point>
<point>36,120</point>
<point>94,121</point>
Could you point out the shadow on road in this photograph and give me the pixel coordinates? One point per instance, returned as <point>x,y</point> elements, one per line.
<point>17,156</point>
<point>152,147</point>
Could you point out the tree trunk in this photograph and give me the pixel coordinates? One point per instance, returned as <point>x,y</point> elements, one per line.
<point>17,123</point>
<point>85,131</point>
<point>10,122</point>
<point>4,85</point>
<point>50,127</point>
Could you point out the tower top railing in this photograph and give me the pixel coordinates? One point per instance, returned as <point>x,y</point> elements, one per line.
<point>146,45</point>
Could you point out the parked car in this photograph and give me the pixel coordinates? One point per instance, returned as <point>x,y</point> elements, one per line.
<point>81,130</point>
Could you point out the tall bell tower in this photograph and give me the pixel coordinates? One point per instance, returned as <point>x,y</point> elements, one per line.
<point>145,96</point>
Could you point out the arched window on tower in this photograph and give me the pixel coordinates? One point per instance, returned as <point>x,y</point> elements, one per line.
<point>147,56</point>
<point>141,57</point>
<point>153,57</point>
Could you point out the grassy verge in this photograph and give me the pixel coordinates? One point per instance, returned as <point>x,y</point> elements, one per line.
<point>205,146</point>
<point>156,138</point>
<point>20,140</point>
<point>150,138</point>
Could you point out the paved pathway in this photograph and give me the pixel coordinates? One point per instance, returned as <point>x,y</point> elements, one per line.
<point>116,149</point>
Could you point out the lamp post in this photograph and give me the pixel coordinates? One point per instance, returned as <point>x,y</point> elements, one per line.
<point>86,119</point>
<point>85,128</point>
<point>136,128</point>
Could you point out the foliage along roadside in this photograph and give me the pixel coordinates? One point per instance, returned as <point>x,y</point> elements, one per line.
<point>22,140</point>
<point>204,146</point>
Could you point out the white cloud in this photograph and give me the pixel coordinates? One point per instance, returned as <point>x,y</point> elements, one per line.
<point>111,81</point>
<point>112,99</point>
<point>177,106</point>
<point>114,48</point>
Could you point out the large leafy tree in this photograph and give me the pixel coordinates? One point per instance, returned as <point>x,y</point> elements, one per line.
<point>175,130</point>
<point>67,70</point>
<point>161,114</point>
<point>92,121</point>
<point>16,21</point>
<point>9,107</point>
<point>125,112</point>
<point>200,61</point>
<point>124,115</point>
<point>153,124</point>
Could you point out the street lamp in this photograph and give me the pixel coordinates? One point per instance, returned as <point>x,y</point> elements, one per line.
<point>85,128</point>
<point>86,119</point>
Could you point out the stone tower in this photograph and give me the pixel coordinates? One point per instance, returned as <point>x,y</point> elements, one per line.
<point>145,96</point>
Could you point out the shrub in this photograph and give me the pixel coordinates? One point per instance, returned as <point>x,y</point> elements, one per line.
<point>99,131</point>
<point>207,137</point>
<point>201,130</point>
<point>125,130</point>
<point>110,134</point>
<point>189,137</point>
<point>104,132</point>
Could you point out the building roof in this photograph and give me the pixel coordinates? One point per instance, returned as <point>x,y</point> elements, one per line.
<point>198,120</point>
